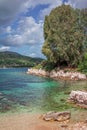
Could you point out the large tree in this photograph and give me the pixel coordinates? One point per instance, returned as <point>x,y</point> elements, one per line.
<point>64,36</point>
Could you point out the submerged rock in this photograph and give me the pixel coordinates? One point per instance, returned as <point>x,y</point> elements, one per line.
<point>57,116</point>
<point>1,96</point>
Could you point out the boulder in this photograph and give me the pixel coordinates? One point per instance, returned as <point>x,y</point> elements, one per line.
<point>57,116</point>
<point>79,97</point>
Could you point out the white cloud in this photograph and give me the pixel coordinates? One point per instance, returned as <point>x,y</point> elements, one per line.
<point>35,51</point>
<point>33,55</point>
<point>4,48</point>
<point>33,3</point>
<point>52,5</point>
<point>78,3</point>
<point>10,9</point>
<point>28,32</point>
<point>8,29</point>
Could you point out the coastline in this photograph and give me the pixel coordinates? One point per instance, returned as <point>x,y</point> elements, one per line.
<point>58,75</point>
<point>33,121</point>
<point>28,121</point>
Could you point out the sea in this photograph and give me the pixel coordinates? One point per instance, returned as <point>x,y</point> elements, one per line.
<point>21,92</point>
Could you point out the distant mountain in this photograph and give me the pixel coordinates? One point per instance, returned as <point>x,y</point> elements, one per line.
<point>13,59</point>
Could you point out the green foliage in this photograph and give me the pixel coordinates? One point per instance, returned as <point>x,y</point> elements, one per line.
<point>83,18</point>
<point>45,65</point>
<point>12,59</point>
<point>48,66</point>
<point>39,66</point>
<point>83,65</point>
<point>64,36</point>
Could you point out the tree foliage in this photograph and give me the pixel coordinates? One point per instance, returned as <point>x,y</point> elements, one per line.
<point>65,36</point>
<point>83,65</point>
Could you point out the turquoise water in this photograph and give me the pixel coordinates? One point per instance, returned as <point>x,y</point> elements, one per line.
<point>20,92</point>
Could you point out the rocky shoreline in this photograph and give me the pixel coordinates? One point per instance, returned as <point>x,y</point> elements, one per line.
<point>79,98</point>
<point>58,74</point>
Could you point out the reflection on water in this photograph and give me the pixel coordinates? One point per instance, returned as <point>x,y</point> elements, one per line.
<point>22,92</point>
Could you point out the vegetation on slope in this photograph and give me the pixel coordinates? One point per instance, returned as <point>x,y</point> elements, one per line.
<point>12,59</point>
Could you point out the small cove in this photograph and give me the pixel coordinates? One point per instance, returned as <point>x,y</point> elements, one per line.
<point>20,92</point>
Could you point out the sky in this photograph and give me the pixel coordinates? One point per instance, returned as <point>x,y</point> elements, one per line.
<point>21,24</point>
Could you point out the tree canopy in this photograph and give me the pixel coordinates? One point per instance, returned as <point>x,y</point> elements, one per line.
<point>65,36</point>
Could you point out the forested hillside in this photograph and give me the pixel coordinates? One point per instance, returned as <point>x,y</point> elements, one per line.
<point>13,59</point>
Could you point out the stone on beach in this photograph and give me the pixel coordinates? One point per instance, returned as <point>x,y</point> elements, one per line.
<point>79,97</point>
<point>57,116</point>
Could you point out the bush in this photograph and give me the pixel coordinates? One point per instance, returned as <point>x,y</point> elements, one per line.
<point>83,65</point>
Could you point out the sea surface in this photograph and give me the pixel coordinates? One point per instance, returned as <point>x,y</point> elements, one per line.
<point>21,92</point>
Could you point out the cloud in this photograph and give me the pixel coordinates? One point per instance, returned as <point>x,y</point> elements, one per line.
<point>6,30</point>
<point>33,3</point>
<point>52,5</point>
<point>32,55</point>
<point>9,9</point>
<point>27,32</point>
<point>35,51</point>
<point>78,3</point>
<point>4,48</point>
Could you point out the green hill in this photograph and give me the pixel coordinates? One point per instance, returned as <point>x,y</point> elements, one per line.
<point>13,59</point>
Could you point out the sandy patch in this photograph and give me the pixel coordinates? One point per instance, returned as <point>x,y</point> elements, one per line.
<point>34,122</point>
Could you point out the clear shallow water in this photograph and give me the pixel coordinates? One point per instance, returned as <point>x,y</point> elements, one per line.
<point>20,92</point>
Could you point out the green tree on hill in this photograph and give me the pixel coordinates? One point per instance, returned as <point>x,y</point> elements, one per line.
<point>64,36</point>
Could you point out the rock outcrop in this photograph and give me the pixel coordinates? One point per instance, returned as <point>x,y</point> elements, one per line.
<point>57,116</point>
<point>39,72</point>
<point>79,97</point>
<point>58,74</point>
